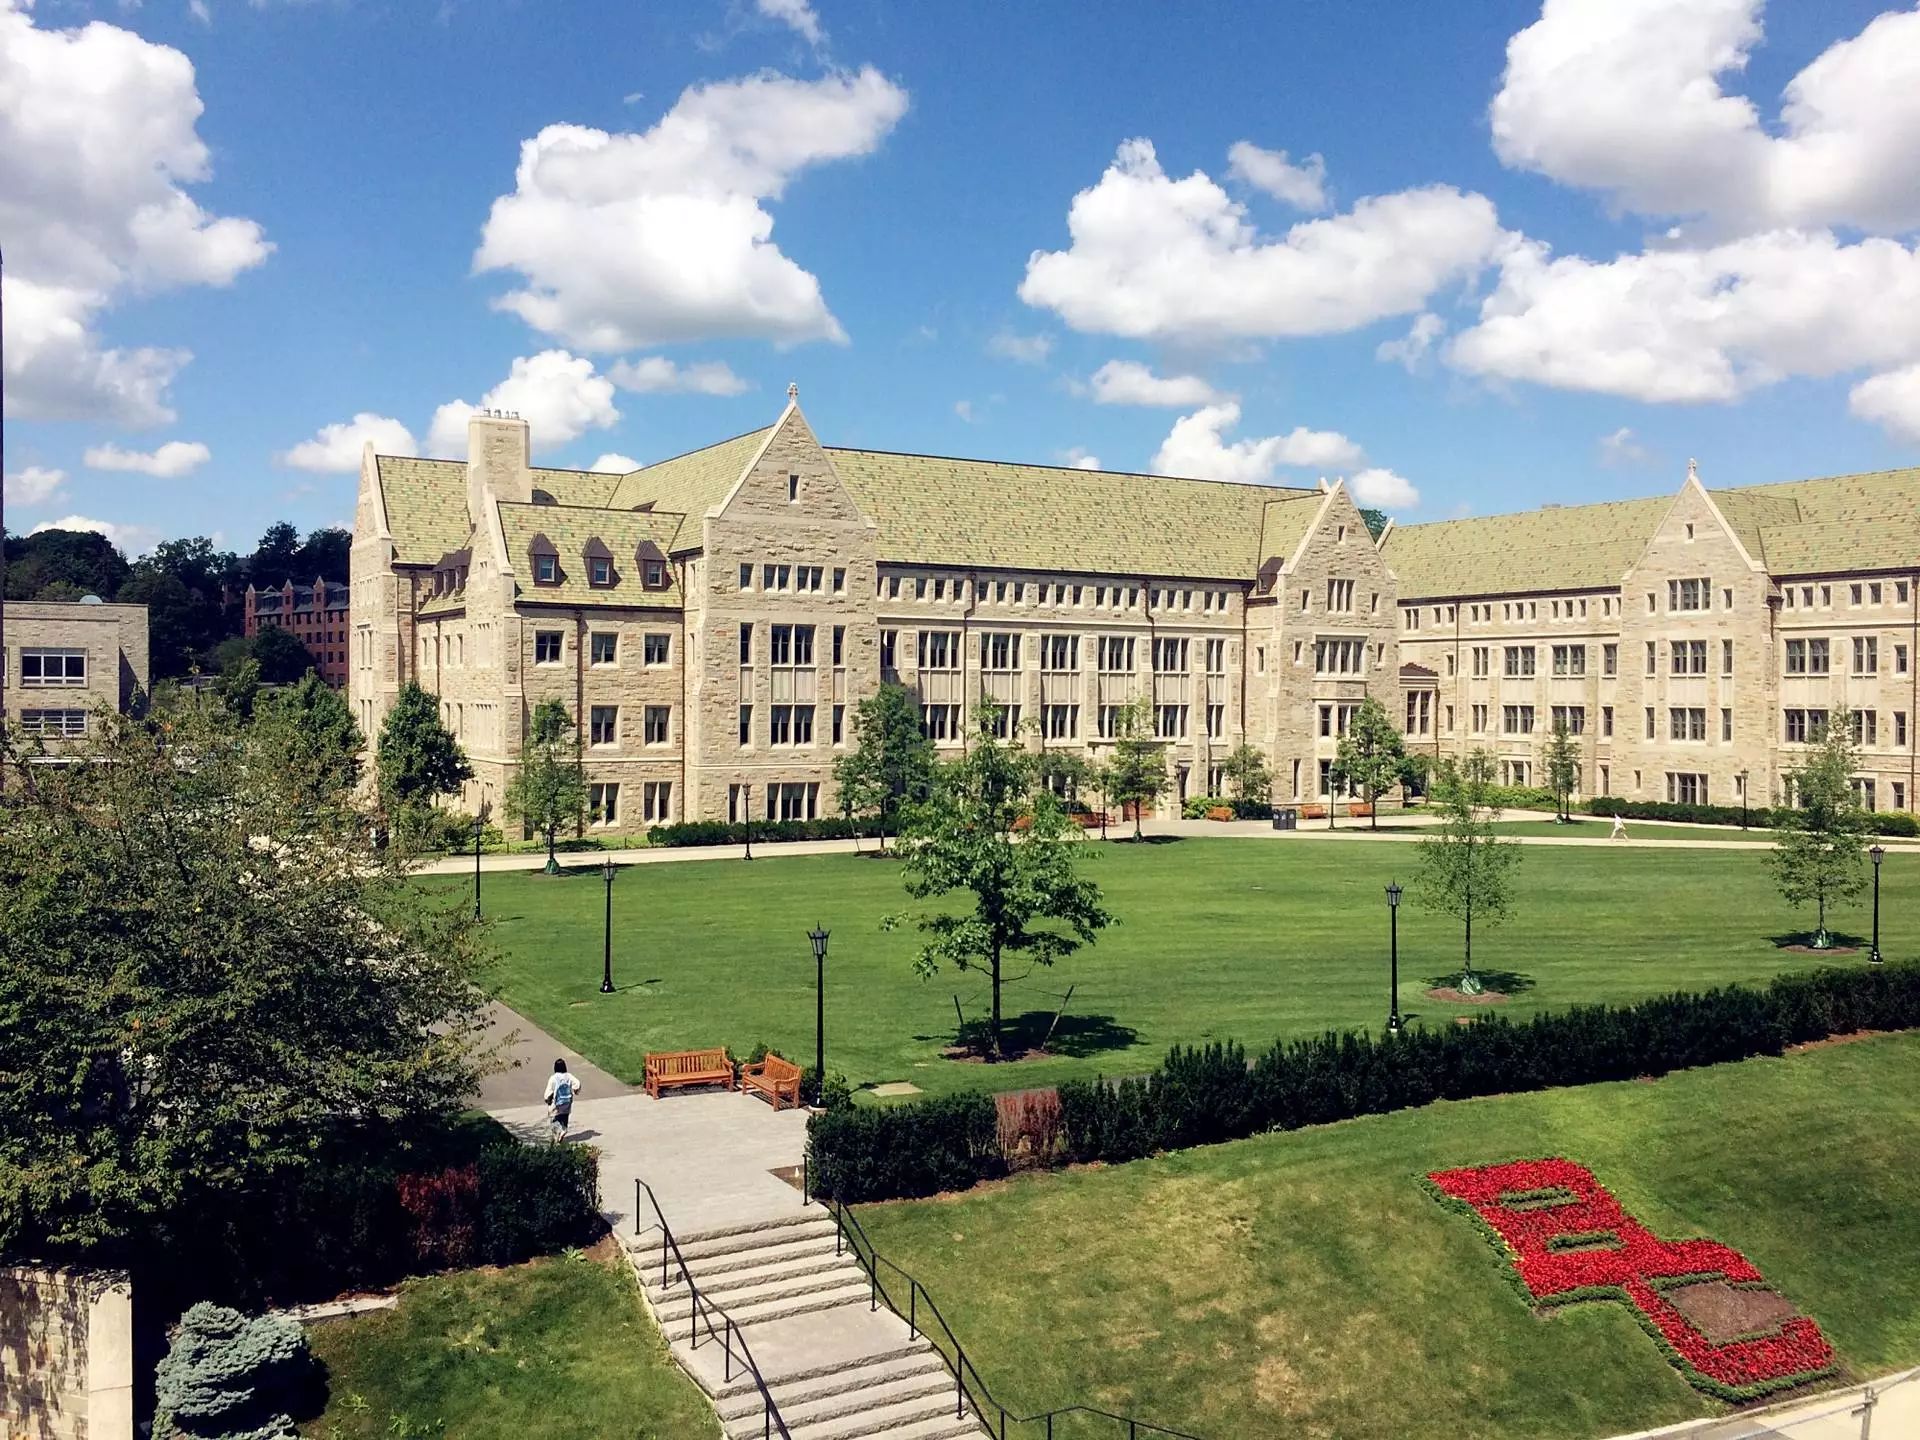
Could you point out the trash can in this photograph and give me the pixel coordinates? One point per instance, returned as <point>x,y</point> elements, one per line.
<point>1286,818</point>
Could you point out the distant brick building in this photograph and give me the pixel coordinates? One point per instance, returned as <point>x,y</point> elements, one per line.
<point>315,615</point>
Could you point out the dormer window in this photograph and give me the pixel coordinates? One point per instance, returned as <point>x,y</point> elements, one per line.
<point>546,569</point>
<point>601,572</point>
<point>654,575</point>
<point>653,567</point>
<point>599,564</point>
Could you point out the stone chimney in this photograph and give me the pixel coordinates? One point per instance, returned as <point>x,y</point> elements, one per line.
<point>497,464</point>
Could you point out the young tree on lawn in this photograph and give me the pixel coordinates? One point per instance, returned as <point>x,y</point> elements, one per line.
<point>548,790</point>
<point>1371,755</point>
<point>208,976</point>
<point>1247,775</point>
<point>1819,851</point>
<point>417,759</point>
<point>891,762</point>
<point>1136,771</point>
<point>1465,870</point>
<point>310,728</point>
<point>991,831</point>
<point>1065,773</point>
<point>1563,767</point>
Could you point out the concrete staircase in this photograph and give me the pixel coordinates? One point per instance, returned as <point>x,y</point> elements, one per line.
<point>774,1271</point>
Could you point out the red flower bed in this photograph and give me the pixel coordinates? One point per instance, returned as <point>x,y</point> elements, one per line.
<point>1528,1205</point>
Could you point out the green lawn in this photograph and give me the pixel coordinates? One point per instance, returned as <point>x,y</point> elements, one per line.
<point>557,1347</point>
<point>1305,1285</point>
<point>1217,939</point>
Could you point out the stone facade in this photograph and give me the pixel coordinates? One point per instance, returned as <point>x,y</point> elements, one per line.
<point>710,623</point>
<point>65,660</point>
<point>66,1355</point>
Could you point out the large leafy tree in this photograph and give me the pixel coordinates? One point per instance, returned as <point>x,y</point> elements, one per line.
<point>309,726</point>
<point>76,558</point>
<point>276,559</point>
<point>1136,769</point>
<point>1247,775</point>
<point>1371,757</point>
<point>548,790</point>
<point>1819,852</point>
<point>416,760</point>
<point>891,763</point>
<point>1563,767</point>
<point>191,593</point>
<point>325,554</point>
<point>281,655</point>
<point>1466,870</point>
<point>991,832</point>
<point>206,977</point>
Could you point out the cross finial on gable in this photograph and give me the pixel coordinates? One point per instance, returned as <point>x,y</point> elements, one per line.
<point>1693,469</point>
<point>793,391</point>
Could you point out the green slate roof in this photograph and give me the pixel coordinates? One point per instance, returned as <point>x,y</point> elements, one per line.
<point>932,510</point>
<point>691,484</point>
<point>426,506</point>
<point>570,527</point>
<point>1799,527</point>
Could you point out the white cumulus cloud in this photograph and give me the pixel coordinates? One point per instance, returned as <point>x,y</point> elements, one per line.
<point>1179,260</point>
<point>1703,324</point>
<point>559,395</point>
<point>630,240</point>
<point>34,485</point>
<point>797,15</point>
<point>171,460</point>
<point>656,374</point>
<point>98,142</point>
<point>1081,459</point>
<point>1196,447</point>
<point>1623,447</point>
<point>1303,186</point>
<point>1382,489</point>
<point>1128,382</point>
<point>1625,97</point>
<point>130,540</point>
<point>614,463</point>
<point>1891,401</point>
<point>1412,349</point>
<point>335,449</point>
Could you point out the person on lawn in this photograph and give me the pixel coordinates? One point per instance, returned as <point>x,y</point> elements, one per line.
<point>561,1088</point>
<point>1619,828</point>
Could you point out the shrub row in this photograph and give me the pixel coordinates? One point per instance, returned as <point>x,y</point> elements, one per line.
<point>1195,807</point>
<point>1882,822</point>
<point>765,832</point>
<point>351,1223</point>
<point>1202,1096</point>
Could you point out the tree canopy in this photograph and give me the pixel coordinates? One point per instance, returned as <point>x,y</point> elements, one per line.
<point>548,789</point>
<point>1563,766</point>
<point>208,973</point>
<point>417,760</point>
<point>1466,870</point>
<point>891,762</point>
<point>1819,854</point>
<point>310,731</point>
<point>1135,773</point>
<point>1371,757</point>
<point>990,831</point>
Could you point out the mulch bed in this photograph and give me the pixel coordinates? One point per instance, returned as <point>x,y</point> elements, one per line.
<point>1816,950</point>
<point>967,1056</point>
<point>1724,1312</point>
<point>1849,1038</point>
<point>1460,997</point>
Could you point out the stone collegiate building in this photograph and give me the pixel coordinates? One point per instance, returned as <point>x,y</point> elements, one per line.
<point>712,620</point>
<point>65,659</point>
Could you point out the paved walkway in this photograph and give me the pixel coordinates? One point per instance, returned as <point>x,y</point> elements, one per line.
<point>1832,1416</point>
<point>529,1055</point>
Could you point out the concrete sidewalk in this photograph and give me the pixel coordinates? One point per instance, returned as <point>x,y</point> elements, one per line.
<point>1835,1415</point>
<point>530,1053</point>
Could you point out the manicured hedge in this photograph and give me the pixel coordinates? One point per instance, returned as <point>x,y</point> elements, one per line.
<point>1201,1096</point>
<point>765,832</point>
<point>1882,822</point>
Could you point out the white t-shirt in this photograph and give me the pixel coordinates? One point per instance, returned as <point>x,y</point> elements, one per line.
<point>556,1080</point>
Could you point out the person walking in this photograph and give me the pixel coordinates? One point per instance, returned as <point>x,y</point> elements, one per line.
<point>561,1089</point>
<point>1619,828</point>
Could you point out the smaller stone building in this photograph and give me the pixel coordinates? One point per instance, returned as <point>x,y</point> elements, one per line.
<point>64,659</point>
<point>315,615</point>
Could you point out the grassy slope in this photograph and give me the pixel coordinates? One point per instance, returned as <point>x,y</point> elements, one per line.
<point>557,1347</point>
<point>1305,1285</point>
<point>1218,939</point>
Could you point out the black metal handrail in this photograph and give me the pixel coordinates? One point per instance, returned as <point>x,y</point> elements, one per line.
<point>703,1312</point>
<point>968,1386</point>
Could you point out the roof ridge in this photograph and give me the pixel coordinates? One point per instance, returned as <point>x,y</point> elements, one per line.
<point>696,450</point>
<point>1291,490</point>
<point>589,509</point>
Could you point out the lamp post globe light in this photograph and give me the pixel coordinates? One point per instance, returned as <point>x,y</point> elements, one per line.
<point>746,802</point>
<point>1745,799</point>
<point>1878,853</point>
<point>1393,913</point>
<point>819,939</point>
<point>606,949</point>
<point>478,825</point>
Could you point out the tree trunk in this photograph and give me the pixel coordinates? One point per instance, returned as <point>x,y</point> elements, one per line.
<point>1136,821</point>
<point>553,865</point>
<point>1373,813</point>
<point>999,1053</point>
<point>1469,938</point>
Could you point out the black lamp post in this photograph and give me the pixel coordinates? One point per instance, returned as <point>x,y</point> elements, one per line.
<point>1878,853</point>
<point>478,826</point>
<point>1744,800</point>
<point>1393,913</point>
<point>819,939</point>
<point>746,801</point>
<point>606,951</point>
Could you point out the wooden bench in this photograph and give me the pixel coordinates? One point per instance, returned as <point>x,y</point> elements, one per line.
<point>1313,812</point>
<point>670,1069</point>
<point>1360,810</point>
<point>774,1078</point>
<point>1219,812</point>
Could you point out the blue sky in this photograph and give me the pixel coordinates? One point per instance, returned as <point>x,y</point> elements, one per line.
<point>1594,240</point>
